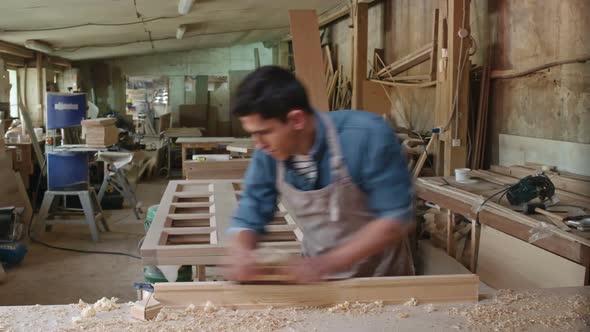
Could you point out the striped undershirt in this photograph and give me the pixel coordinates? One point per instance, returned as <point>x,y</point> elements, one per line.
<point>305,166</point>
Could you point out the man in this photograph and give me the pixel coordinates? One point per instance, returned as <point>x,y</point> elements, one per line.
<point>340,174</point>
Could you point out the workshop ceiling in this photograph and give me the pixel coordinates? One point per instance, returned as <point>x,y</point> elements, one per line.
<point>91,29</point>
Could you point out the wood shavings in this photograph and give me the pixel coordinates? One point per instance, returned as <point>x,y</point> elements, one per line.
<point>210,307</point>
<point>105,304</point>
<point>411,302</point>
<point>517,311</point>
<point>88,312</point>
<point>191,308</point>
<point>430,308</point>
<point>75,320</point>
<point>82,304</point>
<point>403,315</point>
<point>357,308</point>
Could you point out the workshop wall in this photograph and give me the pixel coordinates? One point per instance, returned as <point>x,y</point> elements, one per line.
<point>107,77</point>
<point>339,35</point>
<point>551,104</point>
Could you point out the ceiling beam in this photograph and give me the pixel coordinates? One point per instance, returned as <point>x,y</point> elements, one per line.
<point>13,61</point>
<point>7,48</point>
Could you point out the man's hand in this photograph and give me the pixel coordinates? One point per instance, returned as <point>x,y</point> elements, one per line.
<point>303,270</point>
<point>241,263</point>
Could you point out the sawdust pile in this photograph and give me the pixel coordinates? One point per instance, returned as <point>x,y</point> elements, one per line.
<point>511,311</point>
<point>89,310</point>
<point>198,319</point>
<point>357,308</point>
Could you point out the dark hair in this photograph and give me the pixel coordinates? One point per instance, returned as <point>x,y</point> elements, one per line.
<point>272,92</point>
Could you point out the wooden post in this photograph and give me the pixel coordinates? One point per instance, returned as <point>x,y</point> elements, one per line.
<point>452,100</point>
<point>283,49</point>
<point>359,52</point>
<point>40,86</point>
<point>451,233</point>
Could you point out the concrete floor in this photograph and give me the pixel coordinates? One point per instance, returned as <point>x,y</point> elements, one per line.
<point>49,276</point>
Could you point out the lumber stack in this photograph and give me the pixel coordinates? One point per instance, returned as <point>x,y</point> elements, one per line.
<point>339,86</point>
<point>100,132</point>
<point>481,124</point>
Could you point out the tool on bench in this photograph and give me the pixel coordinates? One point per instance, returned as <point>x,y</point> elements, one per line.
<point>541,208</point>
<point>582,222</point>
<point>529,188</point>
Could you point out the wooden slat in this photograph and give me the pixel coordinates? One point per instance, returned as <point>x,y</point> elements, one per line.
<point>215,170</point>
<point>359,53</point>
<point>409,61</point>
<point>507,262</point>
<point>309,66</point>
<point>390,290</point>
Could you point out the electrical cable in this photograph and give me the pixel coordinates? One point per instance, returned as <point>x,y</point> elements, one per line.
<point>33,239</point>
<point>93,24</point>
<point>479,208</point>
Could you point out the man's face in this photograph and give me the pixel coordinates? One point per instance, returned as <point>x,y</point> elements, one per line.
<point>276,138</point>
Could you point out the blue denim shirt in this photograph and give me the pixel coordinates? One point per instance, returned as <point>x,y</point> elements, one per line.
<point>373,157</point>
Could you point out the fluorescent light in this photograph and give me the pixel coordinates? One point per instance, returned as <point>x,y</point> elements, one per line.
<point>184,6</point>
<point>180,31</point>
<point>37,45</point>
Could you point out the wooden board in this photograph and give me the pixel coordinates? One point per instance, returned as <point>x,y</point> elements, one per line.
<point>409,61</point>
<point>309,66</point>
<point>216,170</point>
<point>183,132</point>
<point>390,290</point>
<point>190,225</point>
<point>568,156</point>
<point>193,115</point>
<point>375,99</point>
<point>507,262</point>
<point>235,78</point>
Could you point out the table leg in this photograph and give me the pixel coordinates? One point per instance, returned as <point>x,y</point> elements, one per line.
<point>451,233</point>
<point>183,158</point>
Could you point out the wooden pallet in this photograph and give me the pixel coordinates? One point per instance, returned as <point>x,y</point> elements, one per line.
<point>190,225</point>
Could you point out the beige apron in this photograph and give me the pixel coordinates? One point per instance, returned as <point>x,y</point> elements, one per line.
<point>331,215</point>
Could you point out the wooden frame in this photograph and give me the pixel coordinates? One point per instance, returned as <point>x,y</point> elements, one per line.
<point>390,290</point>
<point>190,225</point>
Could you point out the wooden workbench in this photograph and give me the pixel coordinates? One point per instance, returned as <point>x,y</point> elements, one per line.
<point>557,309</point>
<point>466,199</point>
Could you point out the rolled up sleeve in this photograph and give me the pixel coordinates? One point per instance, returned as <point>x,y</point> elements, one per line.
<point>386,179</point>
<point>259,196</point>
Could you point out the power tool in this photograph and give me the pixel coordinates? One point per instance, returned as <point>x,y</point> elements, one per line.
<point>529,188</point>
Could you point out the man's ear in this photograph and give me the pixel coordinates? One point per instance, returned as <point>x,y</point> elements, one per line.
<point>297,118</point>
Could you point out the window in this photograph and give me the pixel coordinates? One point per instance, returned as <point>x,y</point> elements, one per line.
<point>13,94</point>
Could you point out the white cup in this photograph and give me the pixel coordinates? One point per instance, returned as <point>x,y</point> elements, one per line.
<point>462,174</point>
